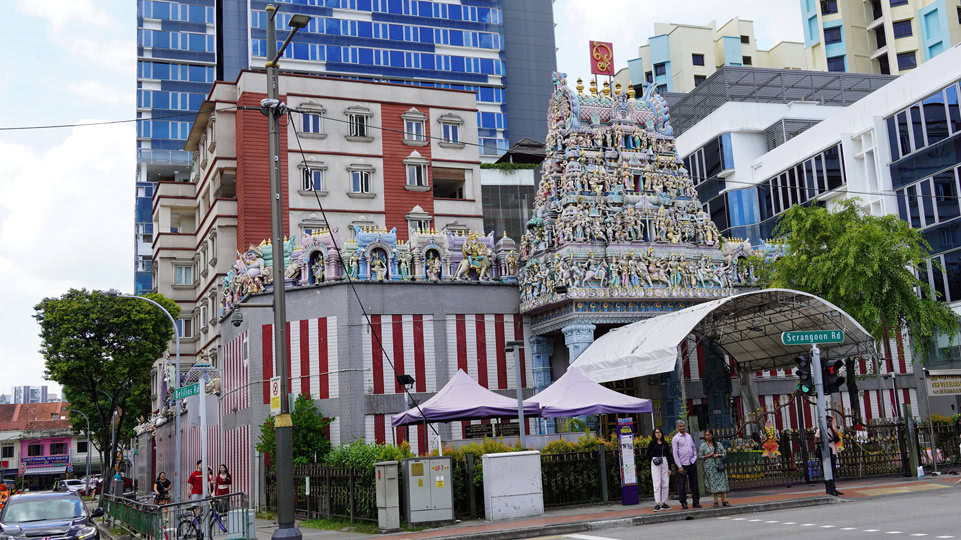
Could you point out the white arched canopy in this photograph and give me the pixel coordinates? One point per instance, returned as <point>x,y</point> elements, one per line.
<point>746,326</point>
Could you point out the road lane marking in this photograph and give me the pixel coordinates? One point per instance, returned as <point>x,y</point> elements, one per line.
<point>919,534</point>
<point>790,523</point>
<point>808,524</point>
<point>849,528</point>
<point>895,532</point>
<point>754,520</point>
<point>772,521</point>
<point>827,526</point>
<point>872,530</point>
<point>587,537</point>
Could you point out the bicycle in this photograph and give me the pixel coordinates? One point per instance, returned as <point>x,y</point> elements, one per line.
<point>190,528</point>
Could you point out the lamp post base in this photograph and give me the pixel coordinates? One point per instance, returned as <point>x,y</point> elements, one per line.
<point>288,533</point>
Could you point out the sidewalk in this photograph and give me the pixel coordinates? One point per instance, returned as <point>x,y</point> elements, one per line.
<point>596,517</point>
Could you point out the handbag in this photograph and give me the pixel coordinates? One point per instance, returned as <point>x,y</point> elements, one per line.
<point>658,460</point>
<point>719,465</point>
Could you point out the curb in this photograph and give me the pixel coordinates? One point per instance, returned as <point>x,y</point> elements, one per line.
<point>596,525</point>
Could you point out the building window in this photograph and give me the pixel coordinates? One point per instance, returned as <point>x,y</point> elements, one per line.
<point>81,447</point>
<point>186,328</point>
<point>313,123</point>
<point>451,133</point>
<point>662,89</point>
<point>830,6</point>
<point>898,2</point>
<point>959,15</point>
<point>697,59</point>
<point>6,452</point>
<point>832,35</point>
<point>649,76</point>
<point>183,274</point>
<point>660,69</point>
<point>883,65</point>
<point>449,183</point>
<point>876,9</point>
<point>58,449</point>
<point>902,28</point>
<point>417,175</point>
<point>359,125</point>
<point>698,79</point>
<point>746,40</point>
<point>313,179</point>
<point>907,60</point>
<point>34,450</point>
<point>836,63</point>
<point>203,315</point>
<point>414,130</point>
<point>360,181</point>
<point>747,61</point>
<point>880,37</point>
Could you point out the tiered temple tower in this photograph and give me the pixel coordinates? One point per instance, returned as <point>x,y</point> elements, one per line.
<point>618,233</point>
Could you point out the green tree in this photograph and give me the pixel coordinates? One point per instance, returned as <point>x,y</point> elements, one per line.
<point>101,350</point>
<point>310,440</point>
<point>867,266</point>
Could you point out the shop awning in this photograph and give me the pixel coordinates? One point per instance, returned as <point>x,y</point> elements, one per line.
<point>51,469</point>
<point>746,326</point>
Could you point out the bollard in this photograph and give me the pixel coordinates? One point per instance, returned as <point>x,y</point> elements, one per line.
<point>602,462</point>
<point>470,485</point>
<point>913,452</point>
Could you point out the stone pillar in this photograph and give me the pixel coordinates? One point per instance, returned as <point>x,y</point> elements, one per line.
<point>542,348</point>
<point>578,337</point>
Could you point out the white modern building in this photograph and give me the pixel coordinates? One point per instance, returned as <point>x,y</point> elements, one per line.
<point>897,149</point>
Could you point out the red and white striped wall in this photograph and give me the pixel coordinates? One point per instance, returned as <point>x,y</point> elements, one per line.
<point>407,342</point>
<point>233,448</point>
<point>235,394</point>
<point>476,345</point>
<point>377,429</point>
<point>311,357</point>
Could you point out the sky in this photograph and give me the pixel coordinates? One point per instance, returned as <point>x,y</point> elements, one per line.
<point>67,195</point>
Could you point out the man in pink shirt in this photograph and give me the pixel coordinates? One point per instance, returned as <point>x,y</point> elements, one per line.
<point>685,457</point>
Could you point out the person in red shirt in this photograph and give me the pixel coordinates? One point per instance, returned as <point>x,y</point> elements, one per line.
<point>222,481</point>
<point>196,482</point>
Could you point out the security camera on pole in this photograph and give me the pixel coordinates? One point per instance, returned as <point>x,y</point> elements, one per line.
<point>813,338</point>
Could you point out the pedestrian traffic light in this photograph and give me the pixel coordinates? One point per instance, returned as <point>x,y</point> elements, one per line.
<point>830,370</point>
<point>805,385</point>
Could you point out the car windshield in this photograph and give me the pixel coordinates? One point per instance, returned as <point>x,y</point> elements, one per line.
<point>73,482</point>
<point>41,510</point>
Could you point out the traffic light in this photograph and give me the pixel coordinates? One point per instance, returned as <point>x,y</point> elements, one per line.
<point>830,370</point>
<point>805,385</point>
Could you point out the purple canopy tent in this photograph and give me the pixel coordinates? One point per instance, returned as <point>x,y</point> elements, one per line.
<point>576,395</point>
<point>463,399</point>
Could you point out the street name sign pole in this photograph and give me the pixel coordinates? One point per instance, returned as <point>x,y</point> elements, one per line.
<point>813,338</point>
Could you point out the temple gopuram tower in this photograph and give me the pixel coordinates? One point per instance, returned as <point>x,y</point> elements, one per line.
<point>618,235</point>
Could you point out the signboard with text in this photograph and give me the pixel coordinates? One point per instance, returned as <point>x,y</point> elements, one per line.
<point>186,391</point>
<point>625,438</point>
<point>602,58</point>
<point>945,382</point>
<point>478,431</point>
<point>508,429</point>
<point>45,460</point>
<point>812,337</point>
<point>275,396</point>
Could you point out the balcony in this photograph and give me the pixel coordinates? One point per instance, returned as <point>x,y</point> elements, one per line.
<point>176,189</point>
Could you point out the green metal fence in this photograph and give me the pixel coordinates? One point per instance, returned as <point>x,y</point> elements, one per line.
<point>215,518</point>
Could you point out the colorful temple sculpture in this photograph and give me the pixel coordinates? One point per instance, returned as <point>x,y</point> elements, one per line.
<point>617,232</point>
<point>373,254</point>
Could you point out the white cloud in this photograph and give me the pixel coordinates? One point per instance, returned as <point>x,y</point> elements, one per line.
<point>118,56</point>
<point>103,93</point>
<point>629,23</point>
<point>66,220</point>
<point>60,12</point>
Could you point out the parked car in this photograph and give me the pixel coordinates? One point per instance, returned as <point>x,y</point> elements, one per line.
<point>72,485</point>
<point>59,515</point>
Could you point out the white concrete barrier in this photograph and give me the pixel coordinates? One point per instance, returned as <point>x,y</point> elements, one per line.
<point>513,486</point>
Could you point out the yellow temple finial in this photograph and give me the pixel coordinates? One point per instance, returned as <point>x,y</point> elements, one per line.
<point>607,89</point>
<point>580,86</point>
<point>594,88</point>
<point>617,89</point>
<point>630,90</point>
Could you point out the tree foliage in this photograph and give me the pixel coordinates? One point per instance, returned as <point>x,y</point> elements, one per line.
<point>311,444</point>
<point>101,349</point>
<point>867,266</point>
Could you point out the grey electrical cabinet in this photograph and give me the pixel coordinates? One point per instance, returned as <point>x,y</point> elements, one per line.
<point>388,499</point>
<point>430,496</point>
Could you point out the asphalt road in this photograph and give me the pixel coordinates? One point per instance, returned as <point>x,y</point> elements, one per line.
<point>928,515</point>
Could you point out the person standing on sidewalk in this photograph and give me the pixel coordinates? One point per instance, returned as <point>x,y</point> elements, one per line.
<point>659,452</point>
<point>196,482</point>
<point>685,457</point>
<point>715,470</point>
<point>833,439</point>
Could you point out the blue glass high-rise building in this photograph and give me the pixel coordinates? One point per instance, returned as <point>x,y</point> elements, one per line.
<point>501,50</point>
<point>176,64</point>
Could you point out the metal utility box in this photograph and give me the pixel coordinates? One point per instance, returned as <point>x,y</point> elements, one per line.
<point>430,495</point>
<point>388,499</point>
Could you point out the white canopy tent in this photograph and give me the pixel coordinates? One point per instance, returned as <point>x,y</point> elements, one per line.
<point>746,326</point>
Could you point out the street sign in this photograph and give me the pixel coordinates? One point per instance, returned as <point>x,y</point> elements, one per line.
<point>275,396</point>
<point>186,391</point>
<point>812,337</point>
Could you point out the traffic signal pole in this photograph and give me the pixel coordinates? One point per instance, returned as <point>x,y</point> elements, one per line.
<point>816,373</point>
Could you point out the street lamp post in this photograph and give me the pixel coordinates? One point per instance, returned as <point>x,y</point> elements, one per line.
<point>286,528</point>
<point>86,488</point>
<point>516,347</point>
<point>117,294</point>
